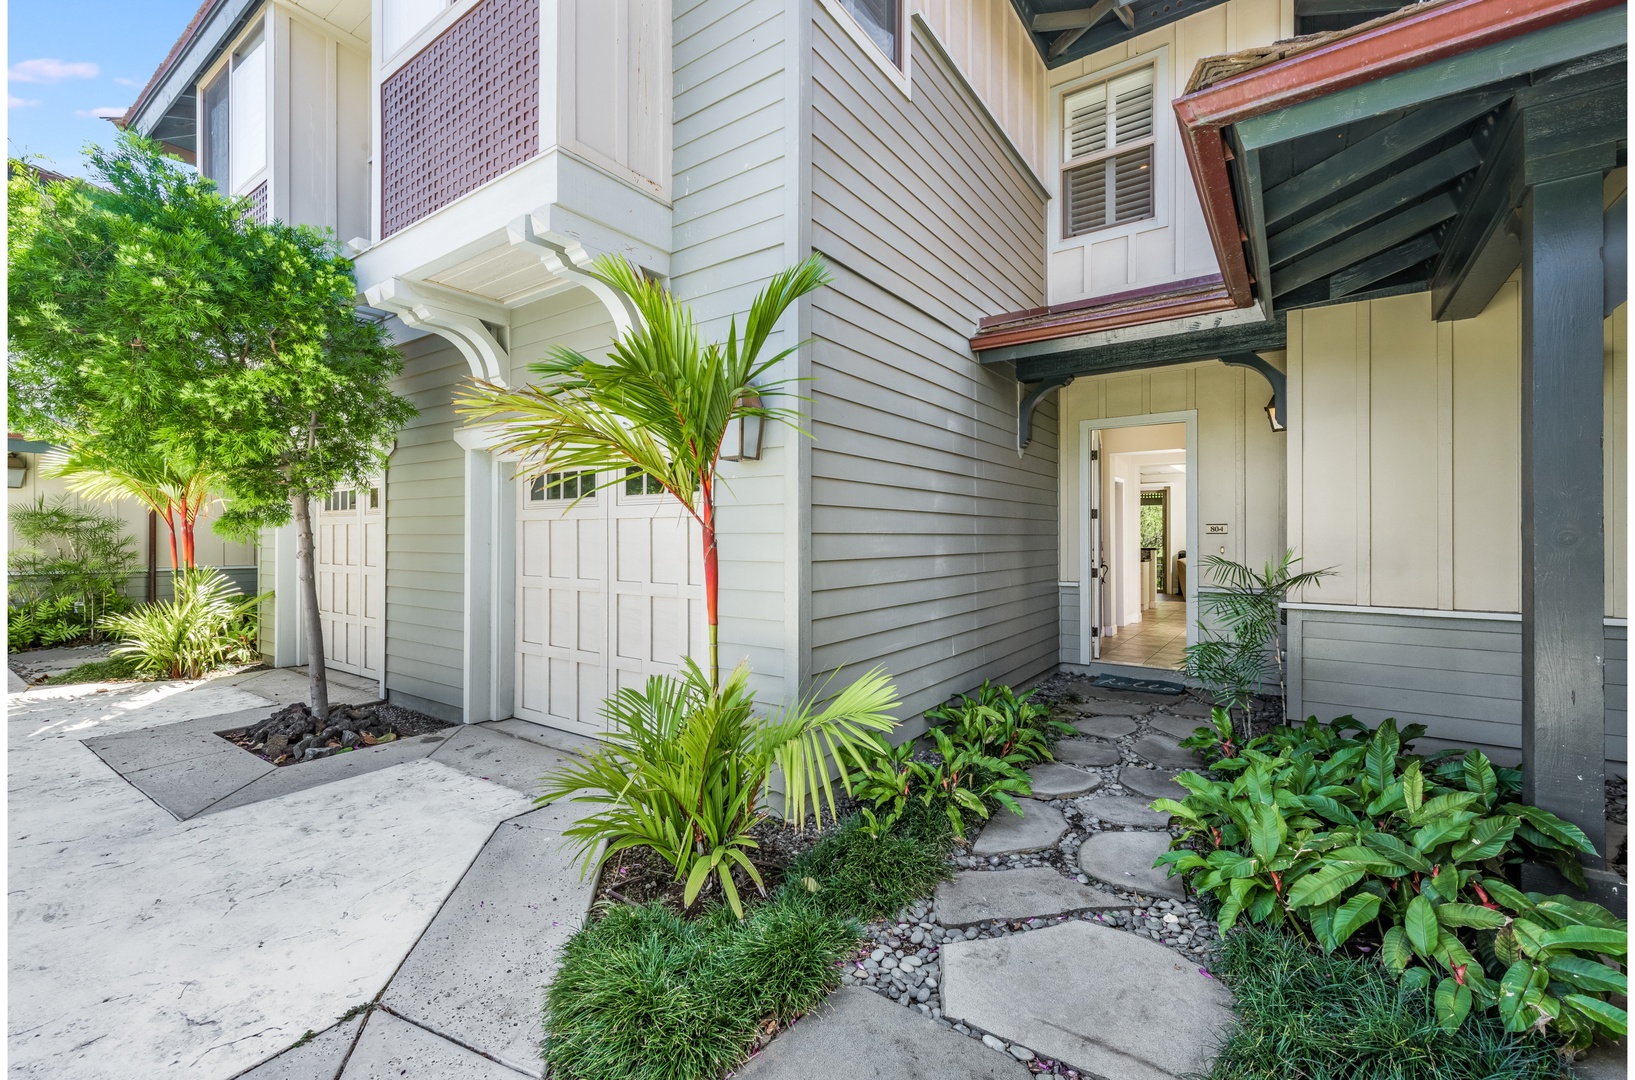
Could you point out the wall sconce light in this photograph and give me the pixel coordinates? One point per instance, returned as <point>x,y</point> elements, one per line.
<point>16,470</point>
<point>1275,415</point>
<point>742,441</point>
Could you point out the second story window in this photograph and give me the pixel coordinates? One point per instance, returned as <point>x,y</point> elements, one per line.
<point>235,118</point>
<point>1107,154</point>
<point>882,21</point>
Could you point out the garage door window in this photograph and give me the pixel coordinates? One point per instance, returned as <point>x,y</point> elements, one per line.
<point>563,486</point>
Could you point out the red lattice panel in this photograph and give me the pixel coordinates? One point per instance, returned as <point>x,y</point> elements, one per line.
<point>463,111</point>
<point>258,204</point>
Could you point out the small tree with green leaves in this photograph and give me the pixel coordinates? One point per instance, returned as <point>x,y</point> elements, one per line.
<point>1235,660</point>
<point>152,304</point>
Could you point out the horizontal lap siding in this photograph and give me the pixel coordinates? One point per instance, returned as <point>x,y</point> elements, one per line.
<point>425,537</point>
<point>730,231</point>
<point>1461,678</point>
<point>1070,624</point>
<point>933,543</point>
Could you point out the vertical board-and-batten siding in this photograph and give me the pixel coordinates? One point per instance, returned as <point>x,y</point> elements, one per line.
<point>933,542</point>
<point>1460,677</point>
<point>425,537</point>
<point>731,195</point>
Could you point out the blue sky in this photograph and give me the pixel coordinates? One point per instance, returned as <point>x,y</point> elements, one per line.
<point>66,59</point>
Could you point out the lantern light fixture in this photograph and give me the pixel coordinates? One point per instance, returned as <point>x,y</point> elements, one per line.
<point>742,440</point>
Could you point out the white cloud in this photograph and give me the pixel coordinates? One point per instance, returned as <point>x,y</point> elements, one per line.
<point>48,70</point>
<point>103,113</point>
<point>122,81</point>
<point>15,102</point>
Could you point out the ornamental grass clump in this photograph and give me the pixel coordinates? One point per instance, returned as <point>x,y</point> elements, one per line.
<point>646,994</point>
<point>870,872</point>
<point>1335,1017</point>
<point>1342,837</point>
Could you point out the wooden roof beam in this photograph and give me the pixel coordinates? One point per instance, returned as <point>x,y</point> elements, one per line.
<point>1366,244</point>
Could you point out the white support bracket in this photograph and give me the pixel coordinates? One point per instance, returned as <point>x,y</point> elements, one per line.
<point>570,260</point>
<point>463,326</point>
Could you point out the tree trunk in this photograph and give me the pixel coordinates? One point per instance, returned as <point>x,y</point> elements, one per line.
<point>712,580</point>
<point>307,579</point>
<point>175,559</point>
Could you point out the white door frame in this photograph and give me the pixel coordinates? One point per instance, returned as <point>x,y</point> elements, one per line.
<point>1189,417</point>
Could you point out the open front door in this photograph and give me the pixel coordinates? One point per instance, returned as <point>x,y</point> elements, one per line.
<point>1097,573</point>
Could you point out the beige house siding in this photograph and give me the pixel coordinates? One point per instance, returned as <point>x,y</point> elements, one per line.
<point>1174,243</point>
<point>1240,459</point>
<point>1404,454</point>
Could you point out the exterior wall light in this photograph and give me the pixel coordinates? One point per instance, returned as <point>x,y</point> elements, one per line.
<point>1275,415</point>
<point>16,470</point>
<point>742,441</point>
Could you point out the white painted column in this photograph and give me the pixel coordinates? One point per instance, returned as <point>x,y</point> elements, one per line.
<point>287,639</point>
<point>489,691</point>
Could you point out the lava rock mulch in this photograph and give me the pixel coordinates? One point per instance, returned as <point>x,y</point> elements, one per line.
<point>293,734</point>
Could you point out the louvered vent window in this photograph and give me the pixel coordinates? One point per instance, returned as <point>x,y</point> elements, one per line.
<point>1107,147</point>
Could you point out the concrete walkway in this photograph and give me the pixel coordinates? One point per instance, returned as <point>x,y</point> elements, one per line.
<point>146,946</point>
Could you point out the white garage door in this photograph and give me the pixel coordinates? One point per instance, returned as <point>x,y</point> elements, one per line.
<point>609,592</point>
<point>349,539</point>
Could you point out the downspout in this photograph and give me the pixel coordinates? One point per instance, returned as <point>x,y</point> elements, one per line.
<point>153,556</point>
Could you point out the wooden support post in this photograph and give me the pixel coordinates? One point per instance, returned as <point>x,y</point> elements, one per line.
<point>1563,721</point>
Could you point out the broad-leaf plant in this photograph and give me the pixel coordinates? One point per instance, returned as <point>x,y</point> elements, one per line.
<point>1340,835</point>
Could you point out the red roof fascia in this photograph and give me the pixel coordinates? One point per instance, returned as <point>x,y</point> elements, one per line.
<point>1419,37</point>
<point>193,28</point>
<point>1172,300</point>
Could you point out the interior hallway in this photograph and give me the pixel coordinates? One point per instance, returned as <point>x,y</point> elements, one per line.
<point>1159,640</point>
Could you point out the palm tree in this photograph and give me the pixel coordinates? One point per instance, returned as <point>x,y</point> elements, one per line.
<point>660,404</point>
<point>178,493</point>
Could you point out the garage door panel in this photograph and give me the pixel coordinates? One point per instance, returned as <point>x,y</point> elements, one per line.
<point>348,577</point>
<point>612,604</point>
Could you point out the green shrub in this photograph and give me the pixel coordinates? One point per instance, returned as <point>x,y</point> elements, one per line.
<point>684,767</point>
<point>208,624</point>
<point>1333,830</point>
<point>985,743</point>
<point>1304,1014</point>
<point>644,994</point>
<point>870,872</point>
<point>67,575</point>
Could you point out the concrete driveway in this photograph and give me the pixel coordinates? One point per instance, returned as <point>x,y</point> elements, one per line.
<point>145,946</point>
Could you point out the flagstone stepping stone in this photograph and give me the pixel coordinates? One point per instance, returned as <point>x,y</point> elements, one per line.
<point>1089,752</point>
<point>1123,810</point>
<point>859,1034</point>
<point>1039,827</point>
<point>1053,781</point>
<point>1152,783</point>
<point>1164,753</point>
<point>1178,726</point>
<point>1125,859</point>
<point>1105,727</point>
<point>975,896</point>
<point>1096,999</point>
<point>1189,707</point>
<point>1114,708</point>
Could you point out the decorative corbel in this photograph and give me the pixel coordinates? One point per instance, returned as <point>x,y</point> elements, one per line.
<point>464,328</point>
<point>1029,402</point>
<point>1278,381</point>
<point>570,260</point>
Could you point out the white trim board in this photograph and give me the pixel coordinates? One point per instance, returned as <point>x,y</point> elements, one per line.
<point>1426,613</point>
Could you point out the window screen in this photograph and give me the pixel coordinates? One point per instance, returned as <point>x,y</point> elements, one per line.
<point>1107,154</point>
<point>881,20</point>
<point>249,108</point>
<point>216,142</point>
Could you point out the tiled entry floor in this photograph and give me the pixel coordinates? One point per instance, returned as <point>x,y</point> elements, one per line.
<point>1159,640</point>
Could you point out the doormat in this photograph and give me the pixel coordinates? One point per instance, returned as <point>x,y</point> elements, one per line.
<point>1144,686</point>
